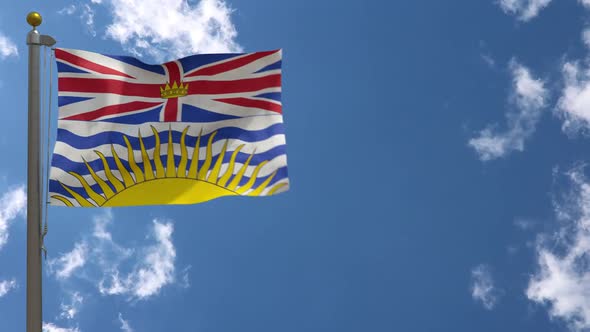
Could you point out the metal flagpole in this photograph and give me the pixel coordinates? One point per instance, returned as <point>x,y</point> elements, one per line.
<point>34,307</point>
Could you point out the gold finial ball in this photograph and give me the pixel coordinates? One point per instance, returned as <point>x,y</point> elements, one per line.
<point>34,19</point>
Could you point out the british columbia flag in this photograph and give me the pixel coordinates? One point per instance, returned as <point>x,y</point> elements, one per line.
<point>227,105</point>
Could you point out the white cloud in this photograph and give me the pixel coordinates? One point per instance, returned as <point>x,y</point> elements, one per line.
<point>153,272</point>
<point>118,273</point>
<point>106,252</point>
<point>125,327</point>
<point>482,286</point>
<point>523,9</point>
<point>586,37</point>
<point>6,286</point>
<point>65,265</point>
<point>511,249</point>
<point>69,10</point>
<point>114,286</point>
<point>69,311</point>
<point>7,47</point>
<point>12,204</point>
<point>100,226</point>
<point>185,283</point>
<point>488,60</point>
<point>524,223</point>
<point>50,327</point>
<point>574,103</point>
<point>563,278</point>
<point>529,98</point>
<point>157,268</point>
<point>166,29</point>
<point>99,250</point>
<point>86,14</point>
<point>87,17</point>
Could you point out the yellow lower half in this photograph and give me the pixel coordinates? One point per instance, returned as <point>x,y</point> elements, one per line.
<point>168,191</point>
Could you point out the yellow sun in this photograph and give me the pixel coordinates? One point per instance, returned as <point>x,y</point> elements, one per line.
<point>173,184</point>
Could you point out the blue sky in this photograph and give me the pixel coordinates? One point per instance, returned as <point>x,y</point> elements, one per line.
<point>437,155</point>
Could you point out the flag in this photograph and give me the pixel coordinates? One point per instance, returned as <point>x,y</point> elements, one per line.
<point>186,131</point>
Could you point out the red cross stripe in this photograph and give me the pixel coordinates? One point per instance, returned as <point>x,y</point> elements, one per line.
<point>172,107</point>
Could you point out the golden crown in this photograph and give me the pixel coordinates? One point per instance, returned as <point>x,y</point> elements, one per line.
<point>175,91</point>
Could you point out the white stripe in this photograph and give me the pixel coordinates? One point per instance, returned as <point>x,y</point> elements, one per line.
<point>216,63</point>
<point>272,101</point>
<point>249,70</point>
<point>160,79</point>
<point>99,100</point>
<point>248,94</point>
<point>64,177</point>
<point>106,117</point>
<point>115,64</point>
<point>277,102</point>
<point>233,77</point>
<point>228,109</point>
<point>83,128</point>
<point>79,155</point>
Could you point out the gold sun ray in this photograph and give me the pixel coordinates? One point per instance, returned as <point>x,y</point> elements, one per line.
<point>262,186</point>
<point>147,164</point>
<point>81,200</point>
<point>157,161</point>
<point>194,168</point>
<point>99,199</point>
<point>131,159</point>
<point>124,173</point>
<point>230,168</point>
<point>63,200</point>
<point>106,189</point>
<point>236,180</point>
<point>183,155</point>
<point>170,166</point>
<point>214,175</point>
<point>203,171</point>
<point>107,170</point>
<point>250,182</point>
<point>276,188</point>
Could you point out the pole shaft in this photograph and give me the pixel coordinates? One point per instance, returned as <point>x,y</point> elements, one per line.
<point>34,291</point>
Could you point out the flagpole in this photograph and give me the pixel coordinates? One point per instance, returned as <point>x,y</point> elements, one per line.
<point>34,203</point>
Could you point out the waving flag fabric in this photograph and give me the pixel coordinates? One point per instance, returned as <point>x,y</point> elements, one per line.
<point>183,132</point>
